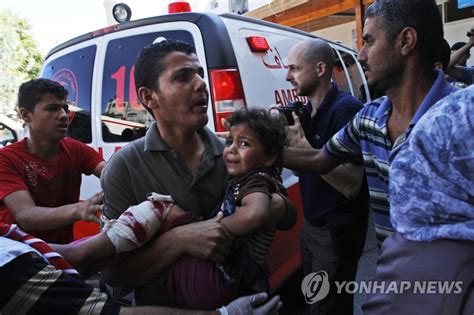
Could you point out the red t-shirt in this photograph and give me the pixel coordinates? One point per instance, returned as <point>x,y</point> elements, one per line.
<point>51,183</point>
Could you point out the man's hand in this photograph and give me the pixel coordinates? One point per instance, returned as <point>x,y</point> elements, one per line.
<point>222,134</point>
<point>87,210</point>
<point>296,135</point>
<point>253,305</point>
<point>226,125</point>
<point>206,239</point>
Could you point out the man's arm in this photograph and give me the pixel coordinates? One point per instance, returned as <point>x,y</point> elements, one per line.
<point>345,178</point>
<point>456,71</point>
<point>309,159</point>
<point>26,213</point>
<point>98,169</point>
<point>256,304</point>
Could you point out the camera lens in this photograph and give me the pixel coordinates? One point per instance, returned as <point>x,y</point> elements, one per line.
<point>274,112</point>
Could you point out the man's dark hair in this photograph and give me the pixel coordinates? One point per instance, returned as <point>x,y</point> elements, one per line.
<point>149,63</point>
<point>457,45</point>
<point>271,131</point>
<point>31,92</point>
<point>445,55</point>
<point>422,15</point>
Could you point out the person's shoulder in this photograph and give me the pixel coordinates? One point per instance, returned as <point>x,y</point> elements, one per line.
<point>455,111</point>
<point>371,107</point>
<point>460,100</point>
<point>77,149</point>
<point>346,102</point>
<point>129,152</point>
<point>13,148</point>
<point>347,98</point>
<point>137,144</point>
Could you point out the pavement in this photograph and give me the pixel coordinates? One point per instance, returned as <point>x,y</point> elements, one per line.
<point>293,300</point>
<point>367,264</point>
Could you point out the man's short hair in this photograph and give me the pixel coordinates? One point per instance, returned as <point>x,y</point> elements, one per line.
<point>422,15</point>
<point>457,45</point>
<point>319,50</point>
<point>149,63</point>
<point>31,92</point>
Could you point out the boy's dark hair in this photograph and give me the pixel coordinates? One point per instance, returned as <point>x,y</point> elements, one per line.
<point>271,131</point>
<point>422,15</point>
<point>149,63</point>
<point>31,92</point>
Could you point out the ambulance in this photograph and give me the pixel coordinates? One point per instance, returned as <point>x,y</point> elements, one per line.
<point>245,62</point>
<point>10,131</point>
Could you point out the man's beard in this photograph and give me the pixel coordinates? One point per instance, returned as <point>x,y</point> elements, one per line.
<point>390,76</point>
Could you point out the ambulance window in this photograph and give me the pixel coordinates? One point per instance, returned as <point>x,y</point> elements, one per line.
<point>74,71</point>
<point>7,135</point>
<point>339,76</point>
<point>123,117</point>
<point>355,76</point>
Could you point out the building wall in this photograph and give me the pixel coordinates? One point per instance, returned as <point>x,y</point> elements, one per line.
<point>345,34</point>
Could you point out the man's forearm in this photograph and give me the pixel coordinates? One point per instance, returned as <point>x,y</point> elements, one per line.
<point>346,179</point>
<point>45,219</point>
<point>308,159</point>
<point>458,54</point>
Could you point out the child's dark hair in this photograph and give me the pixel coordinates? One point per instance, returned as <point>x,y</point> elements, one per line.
<point>31,92</point>
<point>271,131</point>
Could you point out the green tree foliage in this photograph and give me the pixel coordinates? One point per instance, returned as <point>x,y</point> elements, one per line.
<point>20,58</point>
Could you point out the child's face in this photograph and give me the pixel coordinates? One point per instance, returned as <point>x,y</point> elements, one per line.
<point>244,152</point>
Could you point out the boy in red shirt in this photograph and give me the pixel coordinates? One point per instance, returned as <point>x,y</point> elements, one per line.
<point>40,176</point>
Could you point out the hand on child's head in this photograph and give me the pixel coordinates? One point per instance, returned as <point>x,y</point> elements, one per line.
<point>225,123</point>
<point>222,134</point>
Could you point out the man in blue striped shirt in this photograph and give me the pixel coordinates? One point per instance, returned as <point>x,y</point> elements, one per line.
<point>402,39</point>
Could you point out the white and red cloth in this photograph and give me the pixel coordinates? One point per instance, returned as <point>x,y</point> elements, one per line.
<point>15,233</point>
<point>138,223</point>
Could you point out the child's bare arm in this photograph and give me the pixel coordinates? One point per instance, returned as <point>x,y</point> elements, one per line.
<point>283,212</point>
<point>251,216</point>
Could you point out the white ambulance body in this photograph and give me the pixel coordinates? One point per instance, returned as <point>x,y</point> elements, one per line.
<point>10,131</point>
<point>244,61</point>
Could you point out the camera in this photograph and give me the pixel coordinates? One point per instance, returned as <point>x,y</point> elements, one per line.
<point>300,110</point>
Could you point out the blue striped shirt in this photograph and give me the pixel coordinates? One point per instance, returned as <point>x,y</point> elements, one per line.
<point>366,137</point>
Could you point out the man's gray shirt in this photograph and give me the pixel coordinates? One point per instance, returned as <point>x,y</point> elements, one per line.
<point>149,165</point>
